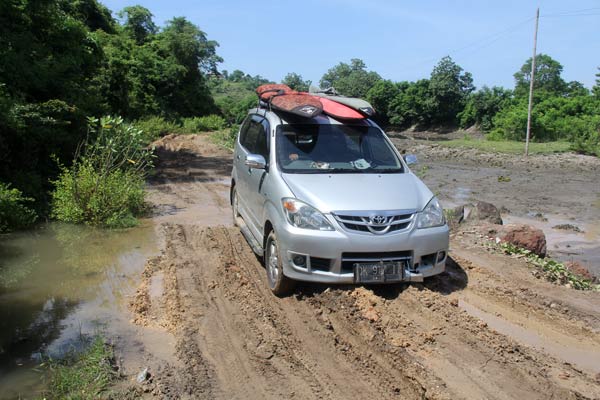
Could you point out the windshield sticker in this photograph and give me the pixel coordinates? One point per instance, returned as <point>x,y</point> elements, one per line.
<point>361,163</point>
<point>319,165</point>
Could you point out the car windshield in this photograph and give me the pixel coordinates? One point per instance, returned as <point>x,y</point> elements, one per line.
<point>335,149</point>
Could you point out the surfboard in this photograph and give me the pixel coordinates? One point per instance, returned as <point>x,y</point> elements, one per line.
<point>338,110</point>
<point>301,104</point>
<point>360,105</point>
<point>269,90</point>
<point>281,97</point>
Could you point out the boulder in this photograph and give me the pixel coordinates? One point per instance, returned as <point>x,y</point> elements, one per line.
<point>483,211</point>
<point>524,236</point>
<point>455,216</point>
<point>578,269</point>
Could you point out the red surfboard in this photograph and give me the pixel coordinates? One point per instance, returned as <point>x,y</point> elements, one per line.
<point>338,110</point>
<point>269,90</point>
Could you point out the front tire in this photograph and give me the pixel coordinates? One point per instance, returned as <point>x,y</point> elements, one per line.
<point>279,284</point>
<point>234,206</point>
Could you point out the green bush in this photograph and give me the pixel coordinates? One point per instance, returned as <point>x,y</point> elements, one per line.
<point>14,214</point>
<point>105,185</point>
<point>85,195</point>
<point>204,124</point>
<point>226,137</point>
<point>156,127</point>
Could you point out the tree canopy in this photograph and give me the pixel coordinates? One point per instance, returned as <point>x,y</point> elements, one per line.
<point>64,60</point>
<point>350,79</point>
<point>295,81</point>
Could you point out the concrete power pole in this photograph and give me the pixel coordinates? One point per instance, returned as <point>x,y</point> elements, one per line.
<point>528,135</point>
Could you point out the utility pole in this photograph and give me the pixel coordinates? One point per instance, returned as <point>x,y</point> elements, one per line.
<point>532,78</point>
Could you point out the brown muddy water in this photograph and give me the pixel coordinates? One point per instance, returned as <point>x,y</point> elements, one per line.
<point>543,198</point>
<point>60,285</point>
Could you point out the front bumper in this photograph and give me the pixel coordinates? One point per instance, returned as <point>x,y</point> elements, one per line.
<point>428,249</point>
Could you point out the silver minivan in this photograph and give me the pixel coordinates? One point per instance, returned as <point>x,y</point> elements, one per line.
<point>328,201</point>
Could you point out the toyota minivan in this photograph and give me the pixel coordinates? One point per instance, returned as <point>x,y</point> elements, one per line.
<point>323,200</point>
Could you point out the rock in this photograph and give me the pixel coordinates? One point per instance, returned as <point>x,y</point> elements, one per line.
<point>143,376</point>
<point>455,216</point>
<point>371,314</point>
<point>568,227</point>
<point>485,212</point>
<point>524,236</point>
<point>580,270</point>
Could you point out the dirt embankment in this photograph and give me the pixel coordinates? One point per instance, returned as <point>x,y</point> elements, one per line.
<point>485,329</point>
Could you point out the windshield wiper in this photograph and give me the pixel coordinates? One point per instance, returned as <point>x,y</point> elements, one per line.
<point>387,170</point>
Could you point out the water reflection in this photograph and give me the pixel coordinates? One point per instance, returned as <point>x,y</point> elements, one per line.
<point>58,283</point>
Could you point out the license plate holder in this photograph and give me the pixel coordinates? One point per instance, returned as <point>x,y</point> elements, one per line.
<point>379,272</point>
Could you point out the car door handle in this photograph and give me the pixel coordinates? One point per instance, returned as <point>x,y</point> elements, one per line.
<point>238,157</point>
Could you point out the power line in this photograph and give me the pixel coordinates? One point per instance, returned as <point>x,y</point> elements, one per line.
<point>573,12</point>
<point>478,44</point>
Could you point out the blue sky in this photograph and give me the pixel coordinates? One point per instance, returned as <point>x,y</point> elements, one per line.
<point>401,40</point>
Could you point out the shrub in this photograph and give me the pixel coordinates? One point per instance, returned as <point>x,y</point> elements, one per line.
<point>156,127</point>
<point>14,214</point>
<point>85,195</point>
<point>226,137</point>
<point>105,185</point>
<point>204,124</point>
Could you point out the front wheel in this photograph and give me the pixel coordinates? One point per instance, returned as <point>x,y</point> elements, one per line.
<point>279,284</point>
<point>234,205</point>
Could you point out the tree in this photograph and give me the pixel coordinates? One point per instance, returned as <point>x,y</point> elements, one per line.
<point>295,81</point>
<point>138,23</point>
<point>414,105</point>
<point>93,14</point>
<point>381,96</point>
<point>596,88</point>
<point>350,79</point>
<point>482,106</point>
<point>547,76</point>
<point>449,87</point>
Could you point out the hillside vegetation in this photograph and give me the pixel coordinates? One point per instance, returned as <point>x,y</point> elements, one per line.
<point>64,63</point>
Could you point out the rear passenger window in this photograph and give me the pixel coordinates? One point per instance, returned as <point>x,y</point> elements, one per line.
<point>244,128</point>
<point>262,146</point>
<point>251,136</point>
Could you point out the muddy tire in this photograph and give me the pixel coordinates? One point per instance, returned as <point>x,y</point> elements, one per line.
<point>234,206</point>
<point>279,284</point>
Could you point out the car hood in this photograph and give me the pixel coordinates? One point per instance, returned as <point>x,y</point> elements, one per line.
<point>359,192</point>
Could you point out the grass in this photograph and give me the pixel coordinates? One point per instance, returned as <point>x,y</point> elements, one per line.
<point>552,270</point>
<point>224,137</point>
<point>82,376</point>
<point>508,147</point>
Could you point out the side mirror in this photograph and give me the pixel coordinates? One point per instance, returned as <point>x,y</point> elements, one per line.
<point>410,159</point>
<point>255,161</point>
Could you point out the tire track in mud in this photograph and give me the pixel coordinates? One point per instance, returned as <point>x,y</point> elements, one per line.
<point>235,340</point>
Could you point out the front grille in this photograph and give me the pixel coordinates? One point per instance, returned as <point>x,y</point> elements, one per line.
<point>349,259</point>
<point>320,264</point>
<point>375,222</point>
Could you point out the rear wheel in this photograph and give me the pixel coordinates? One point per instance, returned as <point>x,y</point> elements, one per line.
<point>279,284</point>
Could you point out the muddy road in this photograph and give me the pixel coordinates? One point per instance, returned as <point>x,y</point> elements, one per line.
<point>484,329</point>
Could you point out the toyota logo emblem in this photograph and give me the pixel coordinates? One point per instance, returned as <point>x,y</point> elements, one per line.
<point>378,220</point>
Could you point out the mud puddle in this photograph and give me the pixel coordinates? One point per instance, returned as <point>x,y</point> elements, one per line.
<point>59,286</point>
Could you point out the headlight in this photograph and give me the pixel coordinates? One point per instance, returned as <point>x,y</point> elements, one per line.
<point>301,215</point>
<point>432,215</point>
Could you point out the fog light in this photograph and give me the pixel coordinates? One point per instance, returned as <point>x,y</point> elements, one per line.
<point>441,256</point>
<point>299,261</point>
